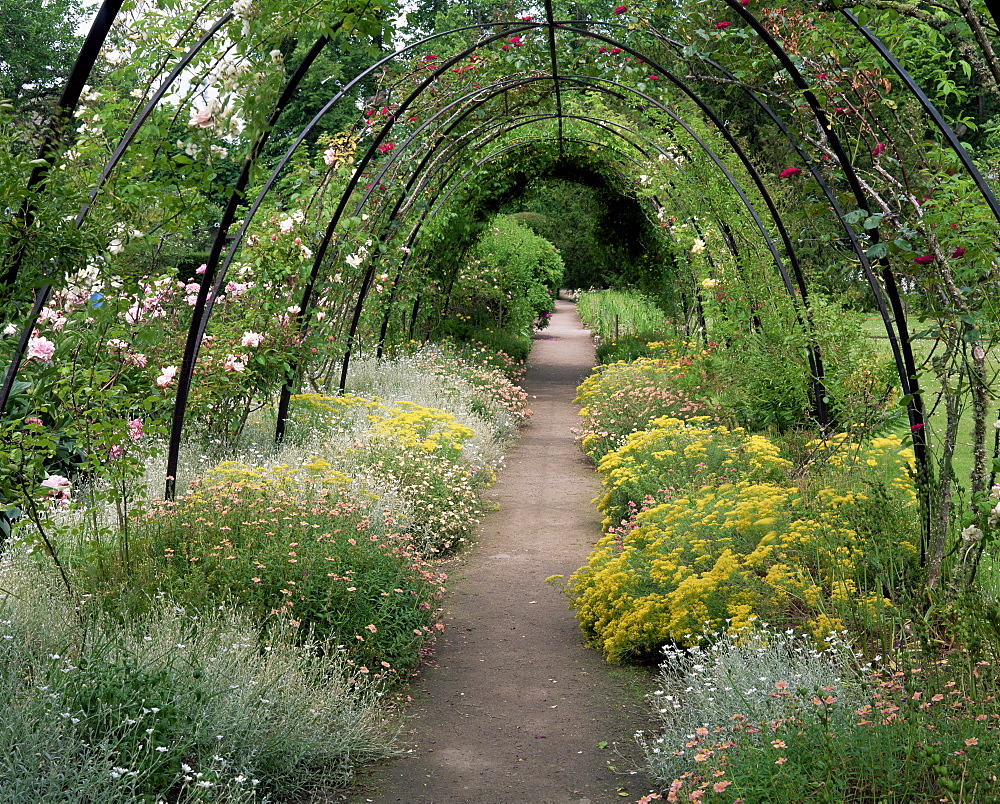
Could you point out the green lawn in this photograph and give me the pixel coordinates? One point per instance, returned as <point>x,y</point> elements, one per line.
<point>922,349</point>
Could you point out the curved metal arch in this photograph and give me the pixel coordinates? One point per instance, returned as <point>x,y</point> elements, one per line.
<point>551,25</point>
<point>908,372</point>
<point>65,107</point>
<point>366,282</point>
<point>946,130</point>
<point>595,121</point>
<point>815,362</point>
<point>835,205</point>
<point>173,448</point>
<point>320,254</point>
<point>480,96</point>
<point>205,300</point>
<point>815,369</point>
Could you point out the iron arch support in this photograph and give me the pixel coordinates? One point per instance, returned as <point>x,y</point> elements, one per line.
<point>206,299</point>
<point>908,371</point>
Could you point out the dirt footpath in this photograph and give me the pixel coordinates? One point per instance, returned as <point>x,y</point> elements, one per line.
<point>514,709</point>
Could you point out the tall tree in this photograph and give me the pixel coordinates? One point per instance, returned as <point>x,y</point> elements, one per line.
<point>38,45</point>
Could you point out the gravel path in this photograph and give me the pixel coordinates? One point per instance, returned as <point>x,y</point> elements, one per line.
<point>514,708</point>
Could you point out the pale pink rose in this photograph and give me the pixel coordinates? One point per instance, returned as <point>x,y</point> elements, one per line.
<point>59,486</point>
<point>41,349</point>
<point>235,363</point>
<point>202,119</point>
<point>251,339</point>
<point>166,376</point>
<point>135,429</point>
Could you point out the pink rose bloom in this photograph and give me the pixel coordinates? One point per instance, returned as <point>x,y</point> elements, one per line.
<point>166,376</point>
<point>202,119</point>
<point>251,339</point>
<point>789,172</point>
<point>41,349</point>
<point>135,429</point>
<point>721,25</point>
<point>621,10</point>
<point>59,486</point>
<point>235,363</point>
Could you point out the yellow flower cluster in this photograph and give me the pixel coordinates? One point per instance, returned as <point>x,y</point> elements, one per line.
<point>674,453</point>
<point>403,424</point>
<point>723,553</point>
<point>314,473</point>
<point>427,429</point>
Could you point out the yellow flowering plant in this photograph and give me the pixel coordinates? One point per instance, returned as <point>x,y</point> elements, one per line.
<point>619,399</point>
<point>820,553</point>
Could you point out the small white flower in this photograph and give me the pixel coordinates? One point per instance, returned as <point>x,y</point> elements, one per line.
<point>972,534</point>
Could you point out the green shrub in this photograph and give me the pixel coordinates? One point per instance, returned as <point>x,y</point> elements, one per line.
<point>174,706</point>
<point>327,563</point>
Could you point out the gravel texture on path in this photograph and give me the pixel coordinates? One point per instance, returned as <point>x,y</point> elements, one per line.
<point>513,708</point>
